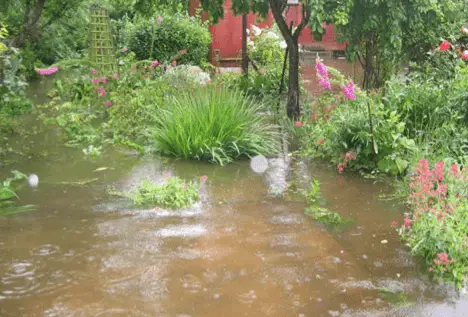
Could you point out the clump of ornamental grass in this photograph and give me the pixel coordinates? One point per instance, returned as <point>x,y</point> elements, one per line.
<point>437,228</point>
<point>173,193</point>
<point>214,124</point>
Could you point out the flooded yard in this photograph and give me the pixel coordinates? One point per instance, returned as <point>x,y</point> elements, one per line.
<point>241,251</point>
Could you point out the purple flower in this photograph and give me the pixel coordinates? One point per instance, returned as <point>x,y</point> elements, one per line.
<point>321,68</point>
<point>324,82</point>
<point>348,91</point>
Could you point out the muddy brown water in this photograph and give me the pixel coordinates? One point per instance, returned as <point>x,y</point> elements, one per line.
<point>241,251</point>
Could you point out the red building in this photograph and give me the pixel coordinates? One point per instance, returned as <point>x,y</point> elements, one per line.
<point>227,34</point>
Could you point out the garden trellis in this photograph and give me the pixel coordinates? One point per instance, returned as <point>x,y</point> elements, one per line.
<point>101,50</point>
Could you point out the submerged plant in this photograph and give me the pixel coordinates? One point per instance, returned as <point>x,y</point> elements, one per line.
<point>174,193</point>
<point>8,194</point>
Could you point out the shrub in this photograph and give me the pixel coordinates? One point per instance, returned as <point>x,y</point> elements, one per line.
<point>176,32</point>
<point>437,228</point>
<point>338,129</point>
<point>215,124</point>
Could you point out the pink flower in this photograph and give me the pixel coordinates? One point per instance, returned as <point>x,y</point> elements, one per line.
<point>438,171</point>
<point>408,223</point>
<point>116,76</point>
<point>454,170</point>
<point>298,124</point>
<point>94,71</point>
<point>321,68</point>
<point>442,259</point>
<point>108,103</point>
<point>350,156</point>
<point>185,187</point>
<point>154,64</point>
<point>324,82</point>
<point>465,55</point>
<point>203,178</point>
<point>444,46</point>
<point>394,223</point>
<point>95,81</point>
<point>101,92</point>
<point>48,71</point>
<point>125,50</point>
<point>103,80</point>
<point>442,189</point>
<point>160,19</point>
<point>348,91</point>
<point>340,167</point>
<point>167,174</point>
<point>174,63</point>
<point>430,269</point>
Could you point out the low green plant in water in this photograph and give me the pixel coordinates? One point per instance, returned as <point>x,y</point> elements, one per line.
<point>174,193</point>
<point>214,124</point>
<point>92,151</point>
<point>8,194</point>
<point>329,218</point>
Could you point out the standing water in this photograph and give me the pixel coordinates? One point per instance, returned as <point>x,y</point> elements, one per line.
<point>241,251</point>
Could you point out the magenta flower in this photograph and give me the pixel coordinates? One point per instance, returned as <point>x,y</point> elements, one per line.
<point>321,68</point>
<point>324,82</point>
<point>348,91</point>
<point>103,80</point>
<point>154,64</point>
<point>160,19</point>
<point>95,81</point>
<point>298,124</point>
<point>101,92</point>
<point>94,71</point>
<point>108,103</point>
<point>48,71</point>
<point>203,178</point>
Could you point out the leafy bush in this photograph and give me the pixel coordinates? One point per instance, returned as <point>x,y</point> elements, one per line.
<point>437,228</point>
<point>215,124</point>
<point>175,33</point>
<point>174,193</point>
<point>338,128</point>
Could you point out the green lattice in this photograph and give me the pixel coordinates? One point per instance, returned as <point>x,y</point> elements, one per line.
<point>101,46</point>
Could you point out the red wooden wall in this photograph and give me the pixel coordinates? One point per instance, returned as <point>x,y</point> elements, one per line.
<point>227,34</point>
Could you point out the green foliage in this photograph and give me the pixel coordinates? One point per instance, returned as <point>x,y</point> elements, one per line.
<point>383,34</point>
<point>337,129</point>
<point>434,112</point>
<point>215,124</point>
<point>125,111</point>
<point>163,42</point>
<point>437,228</point>
<point>8,194</point>
<point>323,215</point>
<point>174,193</point>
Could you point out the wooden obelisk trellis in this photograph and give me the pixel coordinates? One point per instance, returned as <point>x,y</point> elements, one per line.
<point>101,47</point>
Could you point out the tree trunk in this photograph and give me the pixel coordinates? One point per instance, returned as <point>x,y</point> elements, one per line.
<point>30,23</point>
<point>293,108</point>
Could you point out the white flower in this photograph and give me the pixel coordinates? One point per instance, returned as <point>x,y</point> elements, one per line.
<point>271,35</point>
<point>283,45</point>
<point>248,31</point>
<point>256,30</point>
<point>464,30</point>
